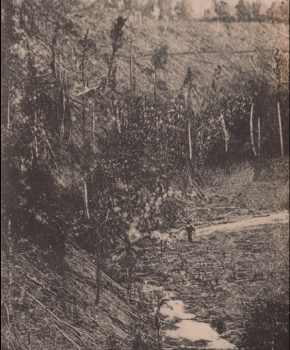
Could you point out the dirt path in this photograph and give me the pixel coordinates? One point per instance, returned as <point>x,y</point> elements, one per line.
<point>270,219</point>
<point>246,222</point>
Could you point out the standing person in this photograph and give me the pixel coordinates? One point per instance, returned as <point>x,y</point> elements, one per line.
<point>190,232</point>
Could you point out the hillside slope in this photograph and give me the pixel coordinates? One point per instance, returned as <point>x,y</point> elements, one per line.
<point>200,45</point>
<point>49,310</point>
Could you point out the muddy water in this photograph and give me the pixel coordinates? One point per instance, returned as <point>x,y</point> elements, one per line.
<point>196,331</point>
<point>188,328</point>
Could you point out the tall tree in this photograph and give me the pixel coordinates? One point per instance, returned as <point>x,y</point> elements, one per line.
<point>278,57</point>
<point>243,10</point>
<point>252,129</point>
<point>189,84</point>
<point>128,254</point>
<point>161,8</point>
<point>221,9</point>
<point>9,71</point>
<point>278,12</point>
<point>256,8</point>
<point>159,60</point>
<point>183,9</point>
<point>117,39</point>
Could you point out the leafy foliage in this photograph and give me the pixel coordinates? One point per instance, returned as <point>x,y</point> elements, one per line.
<point>278,12</point>
<point>183,9</point>
<point>243,9</point>
<point>221,9</point>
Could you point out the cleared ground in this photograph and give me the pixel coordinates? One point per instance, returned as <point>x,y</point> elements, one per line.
<point>218,274</point>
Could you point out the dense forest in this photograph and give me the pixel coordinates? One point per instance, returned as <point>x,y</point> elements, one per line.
<point>111,120</point>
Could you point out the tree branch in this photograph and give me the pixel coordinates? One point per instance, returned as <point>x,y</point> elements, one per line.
<point>66,336</point>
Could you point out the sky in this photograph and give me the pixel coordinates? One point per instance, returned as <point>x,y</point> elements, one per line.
<point>200,5</point>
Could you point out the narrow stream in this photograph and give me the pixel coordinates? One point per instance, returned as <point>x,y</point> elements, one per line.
<point>188,328</point>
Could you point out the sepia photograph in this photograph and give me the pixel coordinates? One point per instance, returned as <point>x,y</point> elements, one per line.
<point>144,174</point>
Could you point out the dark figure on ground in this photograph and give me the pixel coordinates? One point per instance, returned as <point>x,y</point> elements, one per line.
<point>190,233</point>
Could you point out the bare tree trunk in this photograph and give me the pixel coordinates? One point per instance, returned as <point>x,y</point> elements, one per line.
<point>84,83</point>
<point>124,117</point>
<point>280,129</point>
<point>28,340</point>
<point>140,295</point>
<point>72,307</point>
<point>63,93</point>
<point>35,149</point>
<point>273,334</point>
<point>59,66</point>
<point>252,131</point>
<point>86,201</point>
<point>8,111</point>
<point>189,138</point>
<point>84,116</point>
<point>189,124</point>
<point>63,112</point>
<point>55,63</point>
<point>66,72</point>
<point>98,269</point>
<point>155,79</point>
<point>121,117</point>
<point>130,280</point>
<point>118,120</point>
<point>226,136</point>
<point>158,325</point>
<point>259,134</point>
<point>10,274</point>
<point>158,339</point>
<point>35,114</point>
<point>93,129</point>
<point>131,65</point>
<point>161,9</point>
<point>128,284</point>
